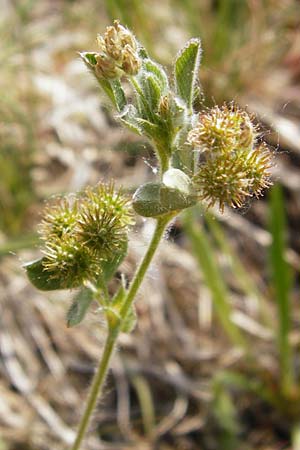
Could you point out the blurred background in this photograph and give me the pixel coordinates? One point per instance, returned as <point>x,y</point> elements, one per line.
<point>214,361</point>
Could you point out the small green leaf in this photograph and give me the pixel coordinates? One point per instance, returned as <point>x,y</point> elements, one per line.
<point>40,278</point>
<point>186,71</point>
<point>175,200</point>
<point>157,199</point>
<point>79,307</point>
<point>176,191</point>
<point>150,86</point>
<point>143,96</point>
<point>146,200</point>
<point>119,96</point>
<point>159,73</point>
<point>153,91</point>
<point>177,179</point>
<point>89,58</point>
<point>114,91</point>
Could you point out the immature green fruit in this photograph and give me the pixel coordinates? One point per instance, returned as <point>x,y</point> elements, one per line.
<point>173,194</point>
<point>231,179</point>
<point>232,167</point>
<point>84,238</point>
<point>223,129</point>
<point>59,219</point>
<point>70,263</point>
<point>104,219</point>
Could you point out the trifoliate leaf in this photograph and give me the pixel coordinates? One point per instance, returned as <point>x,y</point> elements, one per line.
<point>186,71</point>
<point>146,200</point>
<point>79,307</point>
<point>157,199</point>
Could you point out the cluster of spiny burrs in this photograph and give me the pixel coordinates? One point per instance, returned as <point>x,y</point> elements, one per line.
<point>232,166</point>
<point>79,233</point>
<point>118,53</point>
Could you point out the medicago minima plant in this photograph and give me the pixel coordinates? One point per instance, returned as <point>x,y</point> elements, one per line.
<point>212,157</point>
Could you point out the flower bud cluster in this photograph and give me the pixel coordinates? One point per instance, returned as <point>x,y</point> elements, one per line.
<point>80,233</point>
<point>118,53</point>
<point>233,166</point>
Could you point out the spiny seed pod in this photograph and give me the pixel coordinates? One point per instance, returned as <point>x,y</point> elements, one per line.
<point>59,220</point>
<point>223,129</point>
<point>260,163</point>
<point>232,178</point>
<point>70,262</point>
<point>105,216</point>
<point>81,235</point>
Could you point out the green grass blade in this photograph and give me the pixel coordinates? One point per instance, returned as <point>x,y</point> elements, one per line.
<point>242,382</point>
<point>144,394</point>
<point>206,259</point>
<point>281,283</point>
<point>245,282</point>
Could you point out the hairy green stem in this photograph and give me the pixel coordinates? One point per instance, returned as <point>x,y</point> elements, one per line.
<point>113,334</point>
<point>156,238</point>
<point>95,390</point>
